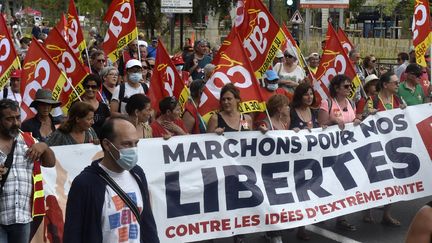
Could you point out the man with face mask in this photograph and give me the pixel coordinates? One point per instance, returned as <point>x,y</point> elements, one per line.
<point>20,160</point>
<point>97,211</point>
<point>133,85</point>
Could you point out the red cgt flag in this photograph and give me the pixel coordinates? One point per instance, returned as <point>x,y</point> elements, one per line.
<point>64,57</point>
<point>345,41</point>
<point>260,34</point>
<point>165,80</point>
<point>421,28</point>
<point>39,71</point>
<point>333,61</point>
<point>9,60</point>
<point>75,35</point>
<point>62,27</point>
<point>122,28</point>
<point>232,66</point>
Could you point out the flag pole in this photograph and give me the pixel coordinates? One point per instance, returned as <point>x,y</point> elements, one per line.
<point>139,53</point>
<point>270,121</point>
<point>73,88</point>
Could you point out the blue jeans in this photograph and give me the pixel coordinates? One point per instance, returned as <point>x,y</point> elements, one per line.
<point>15,233</point>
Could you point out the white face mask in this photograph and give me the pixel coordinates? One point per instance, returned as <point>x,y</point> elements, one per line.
<point>135,77</point>
<point>272,87</point>
<point>128,157</point>
<point>179,67</point>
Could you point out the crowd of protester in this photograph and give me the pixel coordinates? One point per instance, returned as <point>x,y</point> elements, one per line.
<point>120,90</point>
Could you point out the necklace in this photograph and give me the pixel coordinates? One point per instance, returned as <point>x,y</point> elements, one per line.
<point>303,118</point>
<point>387,105</point>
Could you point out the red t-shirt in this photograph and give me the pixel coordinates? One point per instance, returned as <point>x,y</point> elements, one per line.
<point>159,131</point>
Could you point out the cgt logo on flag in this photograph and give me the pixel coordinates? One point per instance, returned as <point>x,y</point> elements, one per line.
<point>425,129</point>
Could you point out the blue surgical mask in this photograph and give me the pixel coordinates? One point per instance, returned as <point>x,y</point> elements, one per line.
<point>135,77</point>
<point>128,157</point>
<point>272,87</point>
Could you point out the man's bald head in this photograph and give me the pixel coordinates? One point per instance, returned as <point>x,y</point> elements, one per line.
<point>117,127</point>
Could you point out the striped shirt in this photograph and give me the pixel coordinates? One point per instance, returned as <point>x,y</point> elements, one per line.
<point>15,201</point>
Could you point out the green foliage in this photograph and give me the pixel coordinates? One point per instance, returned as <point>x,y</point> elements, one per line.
<point>90,7</point>
<point>355,5</point>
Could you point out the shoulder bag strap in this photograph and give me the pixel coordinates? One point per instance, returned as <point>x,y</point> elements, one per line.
<point>8,165</point>
<point>126,199</point>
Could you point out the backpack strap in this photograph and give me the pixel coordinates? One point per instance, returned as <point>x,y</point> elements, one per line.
<point>145,88</point>
<point>330,104</point>
<point>5,93</point>
<point>121,95</point>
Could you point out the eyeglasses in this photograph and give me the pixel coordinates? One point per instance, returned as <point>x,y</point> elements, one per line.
<point>373,61</point>
<point>289,56</point>
<point>100,60</point>
<point>94,87</point>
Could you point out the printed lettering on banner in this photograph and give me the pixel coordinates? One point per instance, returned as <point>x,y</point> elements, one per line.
<point>214,186</point>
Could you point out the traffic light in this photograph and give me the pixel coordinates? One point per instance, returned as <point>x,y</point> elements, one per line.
<point>292,4</point>
<point>289,3</point>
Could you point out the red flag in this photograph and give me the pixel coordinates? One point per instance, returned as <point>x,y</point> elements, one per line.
<point>39,71</point>
<point>233,66</point>
<point>9,60</point>
<point>345,41</point>
<point>333,61</point>
<point>122,28</point>
<point>63,56</point>
<point>260,34</point>
<point>62,26</point>
<point>289,42</point>
<point>421,28</point>
<point>75,35</point>
<point>165,80</point>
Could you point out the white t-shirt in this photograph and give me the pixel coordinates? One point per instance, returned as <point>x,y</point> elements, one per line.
<point>129,91</point>
<point>118,222</point>
<point>297,75</point>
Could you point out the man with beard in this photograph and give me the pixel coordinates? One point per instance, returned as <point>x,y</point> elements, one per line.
<point>20,160</point>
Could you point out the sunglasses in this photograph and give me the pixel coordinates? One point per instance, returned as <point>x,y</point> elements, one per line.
<point>347,86</point>
<point>373,61</point>
<point>94,87</point>
<point>145,67</point>
<point>100,60</point>
<point>289,56</point>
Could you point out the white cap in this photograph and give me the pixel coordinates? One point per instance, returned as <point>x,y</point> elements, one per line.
<point>133,63</point>
<point>279,54</point>
<point>142,43</point>
<point>370,78</point>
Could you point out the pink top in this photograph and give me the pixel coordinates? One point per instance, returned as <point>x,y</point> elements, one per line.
<point>348,115</point>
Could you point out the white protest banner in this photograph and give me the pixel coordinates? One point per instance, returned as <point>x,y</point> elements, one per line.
<point>209,186</point>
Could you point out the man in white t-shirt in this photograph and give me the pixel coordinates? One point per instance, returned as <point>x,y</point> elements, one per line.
<point>125,90</point>
<point>94,211</point>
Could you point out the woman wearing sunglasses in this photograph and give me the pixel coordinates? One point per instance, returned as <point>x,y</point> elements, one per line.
<point>92,85</point>
<point>338,109</point>
<point>370,66</point>
<point>289,72</point>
